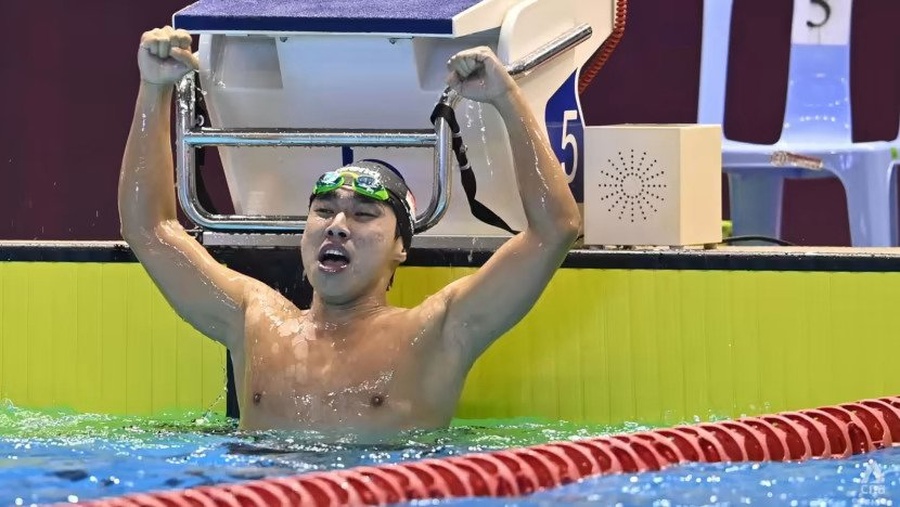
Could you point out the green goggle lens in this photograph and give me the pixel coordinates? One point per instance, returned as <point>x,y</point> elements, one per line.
<point>361,184</point>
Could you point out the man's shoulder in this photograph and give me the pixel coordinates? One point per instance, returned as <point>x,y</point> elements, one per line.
<point>434,305</point>
<point>425,319</point>
<point>259,298</point>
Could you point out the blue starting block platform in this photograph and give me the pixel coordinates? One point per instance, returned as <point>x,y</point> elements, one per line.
<point>412,17</point>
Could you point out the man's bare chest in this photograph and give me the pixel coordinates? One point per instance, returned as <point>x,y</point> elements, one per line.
<point>377,372</point>
<point>314,379</point>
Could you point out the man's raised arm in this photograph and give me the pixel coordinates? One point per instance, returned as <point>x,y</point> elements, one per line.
<point>484,305</point>
<point>205,293</point>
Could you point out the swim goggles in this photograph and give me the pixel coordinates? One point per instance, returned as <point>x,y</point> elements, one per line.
<point>363,184</point>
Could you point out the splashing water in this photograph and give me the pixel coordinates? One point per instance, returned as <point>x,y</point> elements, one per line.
<point>53,456</point>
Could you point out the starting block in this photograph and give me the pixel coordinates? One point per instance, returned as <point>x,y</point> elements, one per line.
<point>292,88</point>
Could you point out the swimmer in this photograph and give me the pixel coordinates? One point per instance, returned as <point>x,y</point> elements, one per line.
<point>350,362</point>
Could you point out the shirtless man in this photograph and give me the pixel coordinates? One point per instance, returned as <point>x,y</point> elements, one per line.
<point>350,363</point>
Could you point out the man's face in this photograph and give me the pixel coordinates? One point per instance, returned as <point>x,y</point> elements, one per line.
<point>349,245</point>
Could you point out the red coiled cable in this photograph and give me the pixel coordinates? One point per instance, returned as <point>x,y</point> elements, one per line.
<point>606,49</point>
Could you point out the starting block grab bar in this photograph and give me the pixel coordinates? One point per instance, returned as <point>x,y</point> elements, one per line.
<point>190,135</point>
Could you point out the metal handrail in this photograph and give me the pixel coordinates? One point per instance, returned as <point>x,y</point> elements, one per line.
<point>190,136</point>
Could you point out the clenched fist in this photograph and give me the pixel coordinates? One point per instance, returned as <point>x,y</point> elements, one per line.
<point>165,56</point>
<point>478,75</point>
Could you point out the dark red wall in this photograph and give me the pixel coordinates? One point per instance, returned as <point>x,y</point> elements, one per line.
<point>68,79</point>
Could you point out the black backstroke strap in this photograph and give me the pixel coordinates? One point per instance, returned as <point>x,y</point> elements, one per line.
<point>467,175</point>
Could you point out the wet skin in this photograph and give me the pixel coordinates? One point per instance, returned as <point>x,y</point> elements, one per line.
<point>351,363</point>
<point>384,372</point>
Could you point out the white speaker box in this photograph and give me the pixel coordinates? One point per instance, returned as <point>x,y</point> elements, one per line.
<point>653,185</point>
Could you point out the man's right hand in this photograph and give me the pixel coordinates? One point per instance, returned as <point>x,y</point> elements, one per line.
<point>477,74</point>
<point>165,56</point>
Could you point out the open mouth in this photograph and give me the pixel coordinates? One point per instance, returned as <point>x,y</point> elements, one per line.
<point>333,258</point>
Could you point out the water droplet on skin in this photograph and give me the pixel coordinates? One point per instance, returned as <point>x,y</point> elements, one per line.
<point>475,111</point>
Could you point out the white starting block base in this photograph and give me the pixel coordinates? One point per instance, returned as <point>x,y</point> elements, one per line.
<point>255,75</point>
<point>365,91</point>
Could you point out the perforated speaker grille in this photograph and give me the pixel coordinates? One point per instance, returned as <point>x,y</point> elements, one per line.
<point>633,186</point>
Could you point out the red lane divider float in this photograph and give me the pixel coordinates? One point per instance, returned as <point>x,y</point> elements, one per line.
<point>825,432</point>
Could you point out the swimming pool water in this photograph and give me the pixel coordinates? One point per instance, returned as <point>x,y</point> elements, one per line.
<point>58,456</point>
<point>61,456</point>
<point>866,479</point>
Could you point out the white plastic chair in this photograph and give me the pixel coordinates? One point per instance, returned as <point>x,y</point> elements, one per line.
<point>817,127</point>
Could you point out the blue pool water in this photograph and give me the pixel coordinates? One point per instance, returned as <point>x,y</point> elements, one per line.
<point>869,479</point>
<point>58,457</point>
